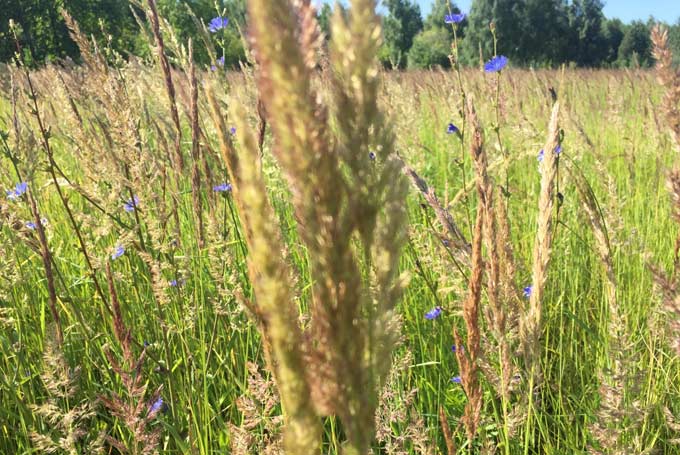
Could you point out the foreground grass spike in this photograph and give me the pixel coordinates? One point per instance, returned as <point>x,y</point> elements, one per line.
<point>532,321</point>
<point>336,366</point>
<point>669,78</point>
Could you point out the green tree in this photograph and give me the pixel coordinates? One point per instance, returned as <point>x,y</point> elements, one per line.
<point>543,33</point>
<point>636,46</point>
<point>588,43</point>
<point>505,14</point>
<point>674,41</point>
<point>324,18</point>
<point>400,26</point>
<point>613,31</point>
<point>430,47</point>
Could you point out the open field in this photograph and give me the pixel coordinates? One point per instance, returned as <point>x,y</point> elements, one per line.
<point>144,256</point>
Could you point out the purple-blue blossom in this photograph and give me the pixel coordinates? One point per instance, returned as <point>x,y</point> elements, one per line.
<point>496,64</point>
<point>157,406</point>
<point>18,191</point>
<point>456,379</point>
<point>433,313</point>
<point>131,204</point>
<point>118,252</point>
<point>217,23</point>
<point>222,188</point>
<point>527,291</point>
<point>232,130</point>
<point>454,18</point>
<point>451,129</point>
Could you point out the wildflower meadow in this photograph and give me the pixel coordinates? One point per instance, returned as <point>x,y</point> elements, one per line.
<point>311,253</point>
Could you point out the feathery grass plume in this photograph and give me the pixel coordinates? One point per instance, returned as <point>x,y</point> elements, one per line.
<point>669,78</point>
<point>49,275</point>
<point>615,416</point>
<point>68,428</point>
<point>400,430</point>
<point>337,195</point>
<point>178,160</point>
<point>270,277</point>
<point>121,332</point>
<point>531,326</point>
<point>468,359</point>
<point>257,407</point>
<point>499,267</point>
<point>133,409</point>
<point>446,430</point>
<point>195,150</point>
<point>455,236</point>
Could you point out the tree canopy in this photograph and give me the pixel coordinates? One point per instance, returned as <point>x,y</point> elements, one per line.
<point>529,32</point>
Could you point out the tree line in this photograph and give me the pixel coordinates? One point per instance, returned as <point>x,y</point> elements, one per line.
<point>539,33</point>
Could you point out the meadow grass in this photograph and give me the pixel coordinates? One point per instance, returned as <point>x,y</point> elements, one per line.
<point>188,329</point>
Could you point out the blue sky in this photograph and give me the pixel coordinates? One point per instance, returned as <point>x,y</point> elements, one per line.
<point>626,10</point>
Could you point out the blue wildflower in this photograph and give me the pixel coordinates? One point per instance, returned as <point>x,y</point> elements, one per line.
<point>213,68</point>
<point>130,205</point>
<point>222,188</point>
<point>118,252</point>
<point>18,191</point>
<point>451,129</point>
<point>455,348</point>
<point>456,379</point>
<point>177,283</point>
<point>454,18</point>
<point>433,313</point>
<point>220,61</point>
<point>157,406</point>
<point>146,344</point>
<point>30,225</point>
<point>496,64</point>
<point>232,130</point>
<point>541,154</point>
<point>371,156</point>
<point>527,291</point>
<point>217,23</point>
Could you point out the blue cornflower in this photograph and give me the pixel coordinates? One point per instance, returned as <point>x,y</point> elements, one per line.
<point>157,406</point>
<point>220,61</point>
<point>527,291</point>
<point>371,156</point>
<point>433,313</point>
<point>130,205</point>
<point>451,129</point>
<point>454,18</point>
<point>455,348</point>
<point>456,379</point>
<point>217,23</point>
<point>30,225</point>
<point>232,130</point>
<point>222,188</point>
<point>118,252</point>
<point>541,154</point>
<point>177,283</point>
<point>18,191</point>
<point>496,64</point>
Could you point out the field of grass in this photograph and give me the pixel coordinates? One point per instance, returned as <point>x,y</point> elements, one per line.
<point>158,345</point>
